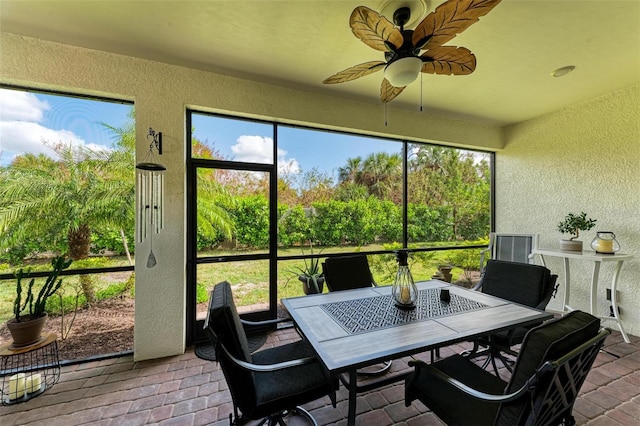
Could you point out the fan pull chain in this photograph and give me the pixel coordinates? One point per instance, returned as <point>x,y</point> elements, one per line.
<point>420,92</point>
<point>385,114</point>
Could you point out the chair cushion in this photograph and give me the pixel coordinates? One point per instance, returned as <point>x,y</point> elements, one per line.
<point>277,390</point>
<point>223,320</point>
<point>522,283</point>
<point>347,272</point>
<point>451,405</point>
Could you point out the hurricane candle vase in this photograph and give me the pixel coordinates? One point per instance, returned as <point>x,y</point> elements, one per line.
<point>605,243</point>
<point>404,290</point>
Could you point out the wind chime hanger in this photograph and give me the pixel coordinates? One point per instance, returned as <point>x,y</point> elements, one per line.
<point>156,142</point>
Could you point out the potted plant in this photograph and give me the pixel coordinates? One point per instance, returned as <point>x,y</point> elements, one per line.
<point>310,275</point>
<point>573,224</point>
<point>29,310</point>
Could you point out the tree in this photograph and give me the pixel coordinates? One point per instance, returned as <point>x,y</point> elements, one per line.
<point>351,172</point>
<point>382,174</point>
<point>215,222</point>
<point>379,172</point>
<point>442,176</point>
<point>62,200</point>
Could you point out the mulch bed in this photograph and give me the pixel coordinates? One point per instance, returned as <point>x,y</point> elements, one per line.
<point>104,328</point>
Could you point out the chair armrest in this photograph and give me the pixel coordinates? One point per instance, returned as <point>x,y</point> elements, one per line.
<point>267,367</point>
<point>427,369</point>
<point>248,323</point>
<point>482,254</point>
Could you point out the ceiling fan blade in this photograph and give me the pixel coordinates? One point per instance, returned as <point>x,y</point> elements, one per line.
<point>388,92</point>
<point>448,60</point>
<point>374,29</point>
<point>355,71</point>
<point>449,19</point>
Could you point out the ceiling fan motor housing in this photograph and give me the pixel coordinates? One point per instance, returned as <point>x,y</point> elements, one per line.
<point>401,16</point>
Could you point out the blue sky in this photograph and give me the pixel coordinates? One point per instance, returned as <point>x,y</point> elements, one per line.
<point>299,149</point>
<point>27,119</point>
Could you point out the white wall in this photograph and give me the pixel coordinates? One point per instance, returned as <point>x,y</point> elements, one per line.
<point>584,158</point>
<point>161,94</point>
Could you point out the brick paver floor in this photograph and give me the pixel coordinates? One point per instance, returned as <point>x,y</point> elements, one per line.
<point>186,390</point>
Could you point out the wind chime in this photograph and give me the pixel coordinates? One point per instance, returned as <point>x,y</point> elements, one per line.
<point>151,194</point>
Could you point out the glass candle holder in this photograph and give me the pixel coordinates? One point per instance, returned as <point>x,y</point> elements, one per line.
<point>605,243</point>
<point>404,290</point>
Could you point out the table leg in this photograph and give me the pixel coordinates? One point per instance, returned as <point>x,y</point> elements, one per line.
<point>594,288</point>
<point>614,301</point>
<point>351,415</point>
<point>567,285</point>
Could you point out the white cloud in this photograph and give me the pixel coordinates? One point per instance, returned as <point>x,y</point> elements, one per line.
<point>20,131</point>
<point>21,106</point>
<point>287,166</point>
<point>259,149</point>
<point>21,136</point>
<point>253,149</point>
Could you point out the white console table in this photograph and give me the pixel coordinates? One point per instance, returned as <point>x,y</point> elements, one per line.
<point>597,260</point>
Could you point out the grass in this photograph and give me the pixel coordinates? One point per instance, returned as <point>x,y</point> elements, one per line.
<point>249,278</point>
<point>106,285</point>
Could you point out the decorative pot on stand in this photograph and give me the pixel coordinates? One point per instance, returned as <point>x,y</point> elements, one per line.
<point>26,332</point>
<point>571,245</point>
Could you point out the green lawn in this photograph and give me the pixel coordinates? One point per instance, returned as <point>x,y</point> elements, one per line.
<point>249,278</point>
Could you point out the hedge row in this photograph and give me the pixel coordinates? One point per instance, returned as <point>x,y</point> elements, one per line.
<point>357,222</point>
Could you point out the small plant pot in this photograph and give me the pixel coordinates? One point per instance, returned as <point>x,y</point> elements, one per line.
<point>26,332</point>
<point>308,287</point>
<point>570,245</point>
<point>445,270</point>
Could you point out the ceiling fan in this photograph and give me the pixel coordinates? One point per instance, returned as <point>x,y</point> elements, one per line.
<point>402,47</point>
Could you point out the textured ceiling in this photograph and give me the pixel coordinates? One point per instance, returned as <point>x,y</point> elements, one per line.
<point>298,43</point>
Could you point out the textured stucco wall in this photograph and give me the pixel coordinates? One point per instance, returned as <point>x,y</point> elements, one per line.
<point>583,158</point>
<point>161,93</point>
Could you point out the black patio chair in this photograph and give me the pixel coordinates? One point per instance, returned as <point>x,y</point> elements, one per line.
<point>524,283</point>
<point>552,366</point>
<point>347,272</point>
<point>268,384</point>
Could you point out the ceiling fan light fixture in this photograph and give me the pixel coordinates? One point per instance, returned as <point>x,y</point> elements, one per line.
<point>403,71</point>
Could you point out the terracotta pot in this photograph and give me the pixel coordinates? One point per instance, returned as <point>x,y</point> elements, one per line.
<point>445,271</point>
<point>26,332</point>
<point>307,284</point>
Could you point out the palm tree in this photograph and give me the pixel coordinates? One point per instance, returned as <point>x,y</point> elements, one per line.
<point>351,172</point>
<point>215,202</point>
<point>64,199</point>
<point>382,174</point>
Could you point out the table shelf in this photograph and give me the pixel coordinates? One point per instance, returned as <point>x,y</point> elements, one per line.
<point>28,372</point>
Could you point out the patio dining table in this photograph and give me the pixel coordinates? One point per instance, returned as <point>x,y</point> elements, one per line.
<point>358,328</point>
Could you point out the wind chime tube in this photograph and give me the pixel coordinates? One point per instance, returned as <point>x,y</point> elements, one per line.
<point>161,200</point>
<point>152,214</point>
<point>147,206</point>
<point>156,202</point>
<point>143,206</point>
<point>139,208</point>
